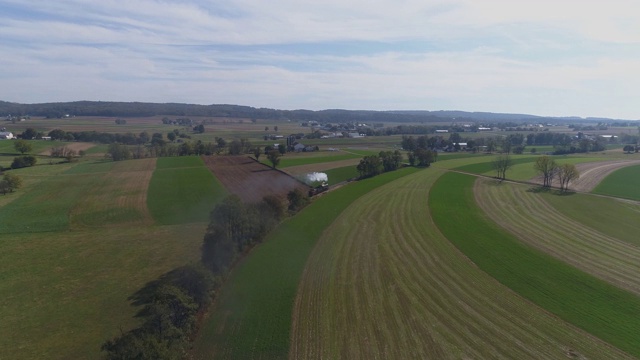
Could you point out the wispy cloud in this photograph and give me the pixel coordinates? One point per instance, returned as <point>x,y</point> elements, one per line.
<point>545,57</point>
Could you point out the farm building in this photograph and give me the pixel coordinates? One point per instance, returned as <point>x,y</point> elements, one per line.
<point>6,135</point>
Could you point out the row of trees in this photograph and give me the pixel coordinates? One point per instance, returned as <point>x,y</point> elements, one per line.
<point>171,304</point>
<point>549,170</point>
<point>235,226</point>
<point>545,166</point>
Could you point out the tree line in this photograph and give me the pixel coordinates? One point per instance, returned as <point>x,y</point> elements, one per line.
<point>545,166</point>
<point>171,304</point>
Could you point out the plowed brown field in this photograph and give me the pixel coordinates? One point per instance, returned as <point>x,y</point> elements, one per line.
<point>249,179</point>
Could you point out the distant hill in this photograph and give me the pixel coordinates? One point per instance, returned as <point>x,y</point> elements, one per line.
<point>141,109</point>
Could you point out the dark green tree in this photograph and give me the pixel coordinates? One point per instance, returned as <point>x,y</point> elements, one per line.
<point>29,134</point>
<point>370,165</point>
<point>22,146</point>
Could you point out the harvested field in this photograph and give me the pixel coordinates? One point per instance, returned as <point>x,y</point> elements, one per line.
<point>251,180</point>
<point>384,283</point>
<point>75,146</point>
<point>534,221</point>
<point>119,197</point>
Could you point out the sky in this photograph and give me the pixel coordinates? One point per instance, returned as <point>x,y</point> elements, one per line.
<point>549,58</point>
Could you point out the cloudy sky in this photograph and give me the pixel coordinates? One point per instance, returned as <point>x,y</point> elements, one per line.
<point>557,58</point>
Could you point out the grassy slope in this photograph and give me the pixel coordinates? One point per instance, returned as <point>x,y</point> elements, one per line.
<point>621,183</point>
<point>384,283</point>
<point>591,304</point>
<point>65,291</point>
<point>252,317</point>
<point>183,190</point>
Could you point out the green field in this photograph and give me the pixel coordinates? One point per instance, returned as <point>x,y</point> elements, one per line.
<point>293,159</point>
<point>525,212</point>
<point>417,263</point>
<point>591,304</point>
<point>341,174</point>
<point>183,190</point>
<point>257,300</point>
<point>383,282</point>
<point>621,183</point>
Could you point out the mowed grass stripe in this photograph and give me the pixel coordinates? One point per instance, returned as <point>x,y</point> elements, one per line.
<point>252,317</point>
<point>183,190</point>
<point>120,197</point>
<point>528,216</point>
<point>384,283</point>
<point>617,218</point>
<point>621,183</point>
<point>589,303</point>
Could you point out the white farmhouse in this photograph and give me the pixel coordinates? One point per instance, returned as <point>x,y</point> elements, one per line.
<point>6,135</point>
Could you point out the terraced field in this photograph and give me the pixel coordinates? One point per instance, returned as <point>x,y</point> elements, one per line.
<point>395,287</point>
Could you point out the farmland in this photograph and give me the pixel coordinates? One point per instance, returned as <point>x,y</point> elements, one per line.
<point>400,289</point>
<point>414,263</point>
<point>621,183</point>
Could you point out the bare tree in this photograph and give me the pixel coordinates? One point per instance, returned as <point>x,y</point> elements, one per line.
<point>501,164</point>
<point>547,167</point>
<point>566,174</point>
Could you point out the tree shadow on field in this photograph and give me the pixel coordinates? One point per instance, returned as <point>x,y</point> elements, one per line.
<point>145,295</point>
<point>552,191</point>
<point>539,189</point>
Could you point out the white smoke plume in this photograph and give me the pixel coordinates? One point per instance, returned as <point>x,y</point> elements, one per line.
<point>315,178</point>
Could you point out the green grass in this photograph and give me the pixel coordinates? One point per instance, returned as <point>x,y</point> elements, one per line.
<point>65,288</point>
<point>183,190</point>
<point>46,207</point>
<point>593,305</point>
<point>621,183</point>
<point>341,174</point>
<point>254,308</point>
<point>65,293</point>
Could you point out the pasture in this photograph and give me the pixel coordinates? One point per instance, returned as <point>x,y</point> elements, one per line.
<point>75,243</point>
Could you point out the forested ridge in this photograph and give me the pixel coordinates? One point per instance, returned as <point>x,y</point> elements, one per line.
<point>143,109</point>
